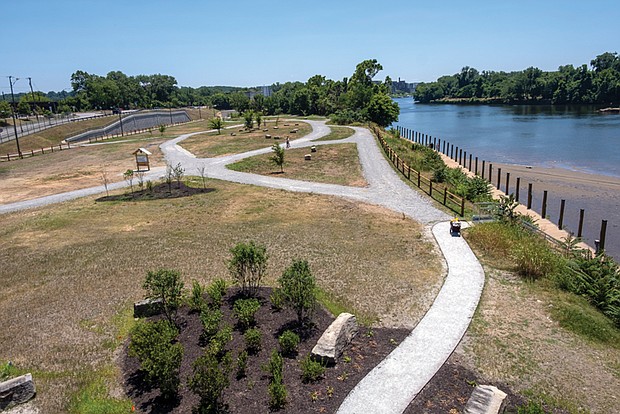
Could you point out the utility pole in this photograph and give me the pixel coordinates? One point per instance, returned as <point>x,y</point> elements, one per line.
<point>36,112</point>
<point>19,151</point>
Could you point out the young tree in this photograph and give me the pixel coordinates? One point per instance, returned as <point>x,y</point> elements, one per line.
<point>203,175</point>
<point>162,129</point>
<point>178,172</point>
<point>210,379</point>
<point>383,110</point>
<point>169,176</point>
<point>128,176</point>
<point>5,110</point>
<point>105,179</point>
<point>248,117</point>
<point>216,123</point>
<point>259,117</point>
<point>248,265</point>
<point>299,289</point>
<point>278,156</point>
<point>23,108</point>
<point>166,285</point>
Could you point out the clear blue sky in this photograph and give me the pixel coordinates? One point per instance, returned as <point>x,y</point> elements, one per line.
<point>251,43</point>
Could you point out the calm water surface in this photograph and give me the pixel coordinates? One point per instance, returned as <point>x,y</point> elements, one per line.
<point>576,138</point>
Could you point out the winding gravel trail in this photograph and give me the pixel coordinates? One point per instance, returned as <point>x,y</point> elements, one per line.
<point>394,383</point>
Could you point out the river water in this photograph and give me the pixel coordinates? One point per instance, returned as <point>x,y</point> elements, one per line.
<point>573,138</point>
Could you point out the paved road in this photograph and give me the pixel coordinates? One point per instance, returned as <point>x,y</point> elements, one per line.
<point>393,384</point>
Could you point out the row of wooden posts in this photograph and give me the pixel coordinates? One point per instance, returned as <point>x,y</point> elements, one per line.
<point>452,201</point>
<point>486,172</point>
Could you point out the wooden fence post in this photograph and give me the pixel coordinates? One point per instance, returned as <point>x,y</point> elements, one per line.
<point>544,204</point>
<point>580,228</point>
<point>409,172</point>
<point>529,196</point>
<point>445,195</point>
<point>507,183</point>
<point>499,178</point>
<point>483,168</point>
<point>462,206</point>
<point>452,151</point>
<point>561,219</point>
<point>490,172</point>
<point>418,179</point>
<point>430,189</point>
<point>602,235</point>
<point>518,188</point>
<point>469,162</point>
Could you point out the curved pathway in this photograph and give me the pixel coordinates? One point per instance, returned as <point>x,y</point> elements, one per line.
<point>392,385</point>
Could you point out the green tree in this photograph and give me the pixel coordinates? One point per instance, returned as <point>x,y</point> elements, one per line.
<point>23,108</point>
<point>299,289</point>
<point>383,110</point>
<point>166,285</point>
<point>210,379</point>
<point>216,123</point>
<point>248,265</point>
<point>5,110</point>
<point>278,156</point>
<point>248,118</point>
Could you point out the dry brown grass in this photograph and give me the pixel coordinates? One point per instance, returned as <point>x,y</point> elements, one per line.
<point>81,167</point>
<point>334,164</point>
<point>70,270</point>
<point>214,145</point>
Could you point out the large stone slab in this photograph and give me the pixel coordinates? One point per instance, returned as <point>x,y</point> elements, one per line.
<point>147,307</point>
<point>336,337</point>
<point>486,399</point>
<point>16,391</point>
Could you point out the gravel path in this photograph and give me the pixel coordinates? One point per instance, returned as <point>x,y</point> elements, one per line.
<point>393,384</point>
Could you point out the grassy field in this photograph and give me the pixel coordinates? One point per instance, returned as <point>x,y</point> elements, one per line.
<point>334,164</point>
<point>215,145</point>
<point>71,271</point>
<point>538,340</point>
<point>337,133</point>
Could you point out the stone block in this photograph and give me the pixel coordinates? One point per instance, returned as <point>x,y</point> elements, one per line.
<point>308,157</point>
<point>16,391</point>
<point>267,136</point>
<point>313,148</point>
<point>147,307</point>
<point>336,337</point>
<point>485,399</point>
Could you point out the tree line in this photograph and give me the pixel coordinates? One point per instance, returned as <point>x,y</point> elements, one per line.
<point>599,84</point>
<point>354,99</point>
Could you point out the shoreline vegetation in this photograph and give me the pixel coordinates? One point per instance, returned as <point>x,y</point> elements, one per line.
<point>568,85</point>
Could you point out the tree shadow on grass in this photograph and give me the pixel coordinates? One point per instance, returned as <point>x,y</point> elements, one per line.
<point>158,192</point>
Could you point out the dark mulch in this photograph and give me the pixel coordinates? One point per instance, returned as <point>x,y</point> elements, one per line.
<point>157,192</point>
<point>249,394</point>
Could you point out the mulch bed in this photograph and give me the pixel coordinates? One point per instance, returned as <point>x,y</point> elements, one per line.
<point>249,394</point>
<point>157,192</point>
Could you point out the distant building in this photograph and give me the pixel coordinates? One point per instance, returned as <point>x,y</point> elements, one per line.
<point>401,86</point>
<point>266,90</point>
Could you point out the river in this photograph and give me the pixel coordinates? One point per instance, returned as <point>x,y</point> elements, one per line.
<point>574,152</point>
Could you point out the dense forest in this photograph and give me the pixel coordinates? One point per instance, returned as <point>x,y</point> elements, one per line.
<point>354,99</point>
<point>567,85</point>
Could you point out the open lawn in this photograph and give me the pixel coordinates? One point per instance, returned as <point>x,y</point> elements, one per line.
<point>337,133</point>
<point>334,164</point>
<point>216,145</point>
<point>71,271</point>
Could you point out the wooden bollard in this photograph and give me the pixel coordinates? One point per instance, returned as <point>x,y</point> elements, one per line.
<point>499,177</point>
<point>483,168</point>
<point>518,189</point>
<point>476,166</point>
<point>469,162</point>
<point>561,219</point>
<point>580,228</point>
<point>544,205</point>
<point>602,235</point>
<point>490,172</point>
<point>507,183</point>
<point>529,196</point>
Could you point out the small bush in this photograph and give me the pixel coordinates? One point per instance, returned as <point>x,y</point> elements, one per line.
<point>534,258</point>
<point>274,366</point>
<point>216,292</point>
<point>242,363</point>
<point>299,289</point>
<point>248,265</point>
<point>244,310</point>
<point>532,407</point>
<point>166,285</point>
<point>288,341</point>
<point>277,299</point>
<point>253,337</point>
<point>219,341</point>
<point>196,300</point>
<point>210,319</point>
<point>277,395</point>
<point>311,371</point>
<point>209,380</point>
<point>151,343</point>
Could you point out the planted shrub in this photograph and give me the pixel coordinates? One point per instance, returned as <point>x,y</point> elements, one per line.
<point>196,300</point>
<point>216,292</point>
<point>244,310</point>
<point>160,359</point>
<point>242,363</point>
<point>277,299</point>
<point>311,371</point>
<point>277,395</point>
<point>248,266</point>
<point>288,341</point>
<point>253,337</point>
<point>219,341</point>
<point>210,319</point>
<point>299,289</point>
<point>210,379</point>
<point>274,366</point>
<point>166,285</point>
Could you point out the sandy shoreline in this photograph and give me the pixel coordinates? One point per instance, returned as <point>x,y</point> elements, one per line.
<point>598,195</point>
